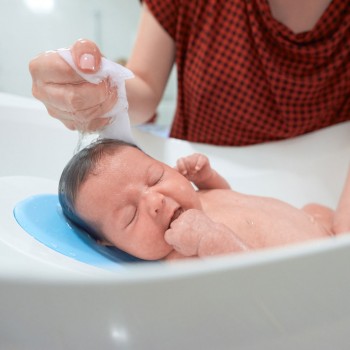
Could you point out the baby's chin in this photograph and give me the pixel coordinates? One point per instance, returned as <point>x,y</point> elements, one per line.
<point>174,255</point>
<point>153,254</point>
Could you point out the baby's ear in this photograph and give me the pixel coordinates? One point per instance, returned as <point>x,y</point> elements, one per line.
<point>104,242</point>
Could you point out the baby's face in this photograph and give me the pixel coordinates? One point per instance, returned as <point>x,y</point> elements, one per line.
<point>132,199</point>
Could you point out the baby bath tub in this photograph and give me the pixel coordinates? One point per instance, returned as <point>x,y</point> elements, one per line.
<point>286,298</point>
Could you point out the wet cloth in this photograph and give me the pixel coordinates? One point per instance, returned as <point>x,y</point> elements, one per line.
<point>119,127</point>
<point>245,78</point>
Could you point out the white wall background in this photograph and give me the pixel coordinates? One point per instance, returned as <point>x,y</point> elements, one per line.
<point>24,33</point>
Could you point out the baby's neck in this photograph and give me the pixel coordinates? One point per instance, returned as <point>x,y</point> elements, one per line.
<point>211,197</point>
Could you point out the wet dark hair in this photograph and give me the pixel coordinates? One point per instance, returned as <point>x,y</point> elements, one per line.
<point>76,172</point>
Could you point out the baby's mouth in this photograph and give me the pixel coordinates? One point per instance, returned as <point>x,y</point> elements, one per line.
<point>176,214</point>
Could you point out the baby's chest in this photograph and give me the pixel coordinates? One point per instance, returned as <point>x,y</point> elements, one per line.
<point>250,224</point>
<point>259,221</point>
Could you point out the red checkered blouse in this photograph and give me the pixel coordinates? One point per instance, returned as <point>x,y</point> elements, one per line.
<point>245,78</point>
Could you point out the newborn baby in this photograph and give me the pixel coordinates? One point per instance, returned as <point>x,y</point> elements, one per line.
<point>127,199</point>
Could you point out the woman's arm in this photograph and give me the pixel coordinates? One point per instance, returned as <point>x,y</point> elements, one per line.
<point>341,221</point>
<point>151,61</point>
<point>79,104</point>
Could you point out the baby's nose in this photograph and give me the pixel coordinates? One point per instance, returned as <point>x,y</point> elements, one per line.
<point>155,202</point>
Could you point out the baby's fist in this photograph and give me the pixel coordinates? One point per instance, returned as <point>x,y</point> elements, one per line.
<point>195,167</point>
<point>186,232</point>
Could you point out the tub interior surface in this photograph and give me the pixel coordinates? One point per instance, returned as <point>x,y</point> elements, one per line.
<point>285,298</point>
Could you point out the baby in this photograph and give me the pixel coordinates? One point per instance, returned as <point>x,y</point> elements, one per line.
<point>127,199</point>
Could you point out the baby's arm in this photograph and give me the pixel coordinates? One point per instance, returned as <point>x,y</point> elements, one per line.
<point>196,168</point>
<point>341,221</point>
<point>195,234</point>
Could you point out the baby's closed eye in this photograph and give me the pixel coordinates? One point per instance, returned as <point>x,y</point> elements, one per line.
<point>128,215</point>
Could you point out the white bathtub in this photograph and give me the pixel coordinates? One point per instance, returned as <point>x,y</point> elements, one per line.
<point>295,297</point>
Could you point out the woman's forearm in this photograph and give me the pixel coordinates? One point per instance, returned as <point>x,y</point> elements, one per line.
<point>341,222</point>
<point>151,61</point>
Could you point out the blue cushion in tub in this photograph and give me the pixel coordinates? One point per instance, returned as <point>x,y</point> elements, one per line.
<point>41,216</point>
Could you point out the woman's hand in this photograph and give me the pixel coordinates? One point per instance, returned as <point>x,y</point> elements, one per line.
<point>67,97</point>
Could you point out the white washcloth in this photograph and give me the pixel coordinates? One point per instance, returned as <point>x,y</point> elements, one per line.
<point>119,127</point>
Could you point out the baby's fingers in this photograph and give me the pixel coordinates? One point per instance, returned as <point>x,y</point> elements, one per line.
<point>202,161</point>
<point>181,166</point>
<point>192,164</point>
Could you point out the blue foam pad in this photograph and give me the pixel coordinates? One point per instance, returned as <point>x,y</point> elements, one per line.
<point>41,216</point>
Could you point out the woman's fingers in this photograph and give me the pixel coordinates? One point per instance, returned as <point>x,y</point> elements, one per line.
<point>86,55</point>
<point>80,100</point>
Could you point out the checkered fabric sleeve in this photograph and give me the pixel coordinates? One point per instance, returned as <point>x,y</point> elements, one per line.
<point>245,78</point>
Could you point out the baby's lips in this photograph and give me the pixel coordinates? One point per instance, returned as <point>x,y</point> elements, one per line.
<point>176,215</point>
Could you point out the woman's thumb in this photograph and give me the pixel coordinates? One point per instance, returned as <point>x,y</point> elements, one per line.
<point>86,55</point>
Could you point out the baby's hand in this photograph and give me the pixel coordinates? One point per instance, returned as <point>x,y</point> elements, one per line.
<point>193,233</point>
<point>195,168</point>
<point>187,230</point>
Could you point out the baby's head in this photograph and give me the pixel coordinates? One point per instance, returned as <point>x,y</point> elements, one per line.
<point>76,172</point>
<point>124,198</point>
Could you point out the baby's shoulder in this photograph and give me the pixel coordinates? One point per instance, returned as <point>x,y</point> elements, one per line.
<point>218,195</point>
